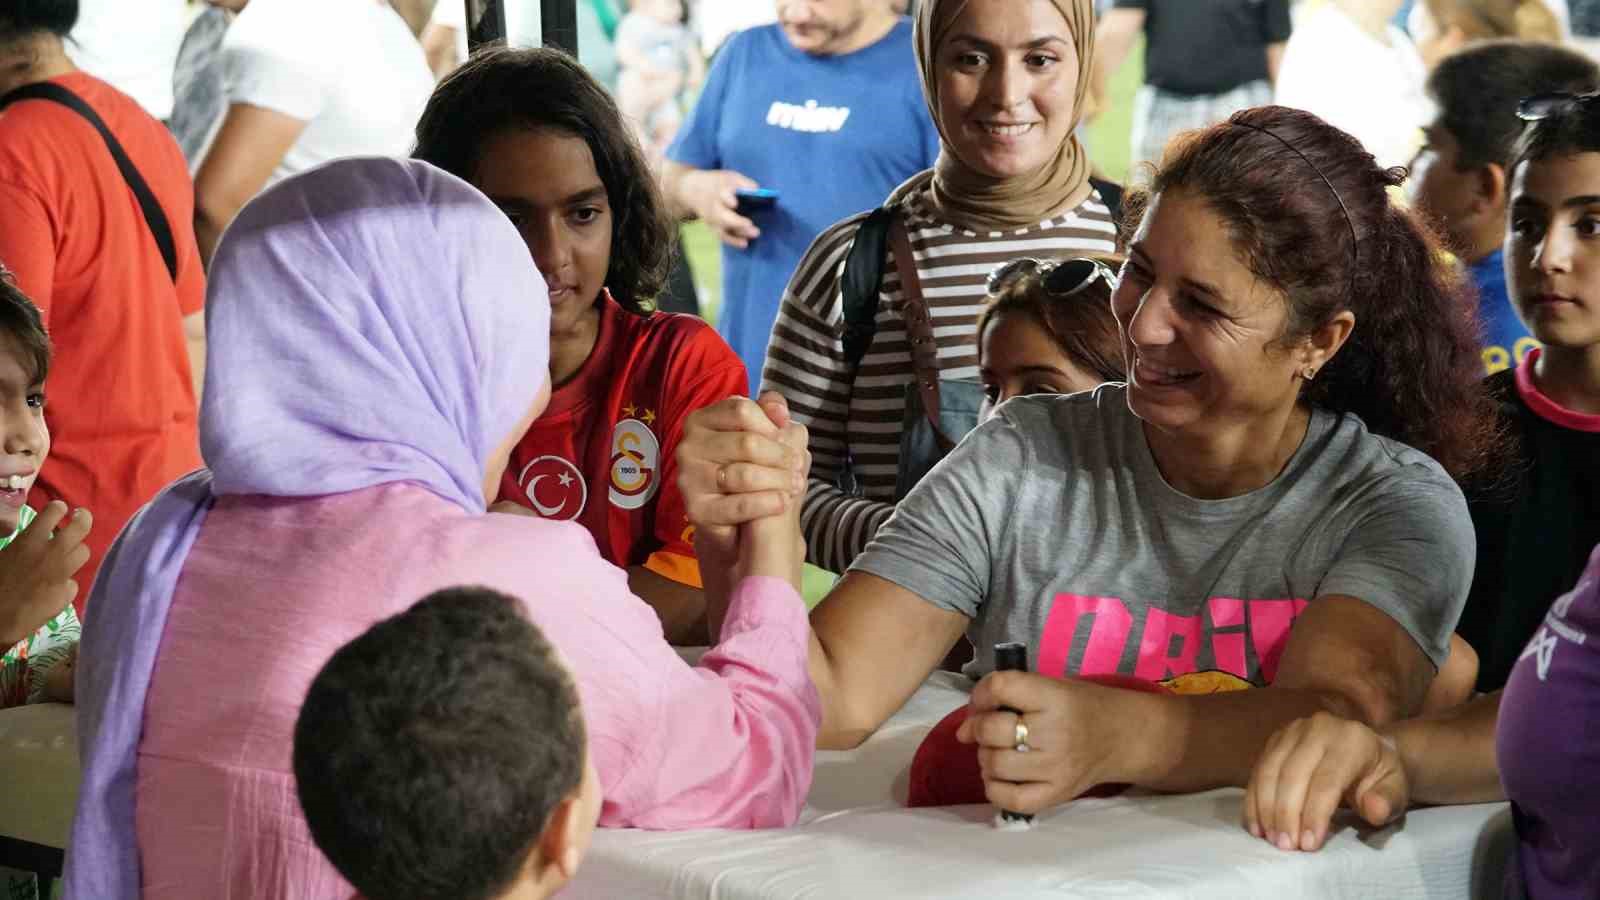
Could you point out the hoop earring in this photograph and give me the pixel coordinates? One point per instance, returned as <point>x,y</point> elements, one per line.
<point>1309,373</point>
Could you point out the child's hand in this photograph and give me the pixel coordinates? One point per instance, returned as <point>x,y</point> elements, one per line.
<point>36,570</point>
<point>1310,768</point>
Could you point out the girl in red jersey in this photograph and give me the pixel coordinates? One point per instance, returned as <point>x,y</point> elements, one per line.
<point>539,136</point>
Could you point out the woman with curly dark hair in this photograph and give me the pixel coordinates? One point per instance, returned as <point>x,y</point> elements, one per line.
<point>1270,495</point>
<point>539,136</point>
<point>1535,604</point>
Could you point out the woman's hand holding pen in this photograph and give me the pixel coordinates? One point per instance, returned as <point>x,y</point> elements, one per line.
<point>1073,734</point>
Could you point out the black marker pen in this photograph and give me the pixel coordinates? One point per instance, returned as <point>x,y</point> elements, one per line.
<point>1011,657</point>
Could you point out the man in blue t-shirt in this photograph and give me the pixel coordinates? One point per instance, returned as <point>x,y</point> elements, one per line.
<point>1459,177</point>
<point>825,110</point>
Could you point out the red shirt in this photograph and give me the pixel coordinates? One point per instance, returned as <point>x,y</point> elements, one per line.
<point>604,451</point>
<point>122,412</point>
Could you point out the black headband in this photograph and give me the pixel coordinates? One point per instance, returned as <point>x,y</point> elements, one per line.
<point>1355,254</point>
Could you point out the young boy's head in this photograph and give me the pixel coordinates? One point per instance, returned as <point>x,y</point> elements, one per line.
<point>24,363</point>
<point>1461,177</point>
<point>442,755</point>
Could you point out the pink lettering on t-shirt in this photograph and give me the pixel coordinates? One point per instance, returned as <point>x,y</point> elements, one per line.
<point>1169,644</point>
<point>1108,635</point>
<point>1227,647</point>
<point>1157,659</point>
<point>1270,623</point>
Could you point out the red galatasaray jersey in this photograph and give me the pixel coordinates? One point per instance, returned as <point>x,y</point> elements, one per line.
<point>603,453</point>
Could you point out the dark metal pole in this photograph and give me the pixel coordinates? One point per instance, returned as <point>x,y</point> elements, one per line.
<point>559,24</point>
<point>486,21</point>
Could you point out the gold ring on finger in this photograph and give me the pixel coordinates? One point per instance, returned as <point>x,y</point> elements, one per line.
<point>1020,742</point>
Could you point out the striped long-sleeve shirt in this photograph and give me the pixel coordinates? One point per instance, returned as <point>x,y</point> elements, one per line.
<point>806,359</point>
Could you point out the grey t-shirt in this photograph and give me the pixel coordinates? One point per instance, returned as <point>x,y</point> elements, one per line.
<point>1051,524</point>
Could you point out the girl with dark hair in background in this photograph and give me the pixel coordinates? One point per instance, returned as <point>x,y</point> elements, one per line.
<point>539,136</point>
<point>1048,329</point>
<point>1535,526</point>
<point>1270,495</point>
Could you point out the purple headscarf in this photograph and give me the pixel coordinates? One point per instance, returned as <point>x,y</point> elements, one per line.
<point>368,322</point>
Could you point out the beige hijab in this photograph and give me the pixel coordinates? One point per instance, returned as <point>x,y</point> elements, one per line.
<point>980,202</point>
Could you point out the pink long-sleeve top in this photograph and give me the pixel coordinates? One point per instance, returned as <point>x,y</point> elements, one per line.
<point>274,586</point>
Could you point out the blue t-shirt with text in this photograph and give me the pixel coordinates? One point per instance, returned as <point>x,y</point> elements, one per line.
<point>833,135</point>
<point>1505,339</point>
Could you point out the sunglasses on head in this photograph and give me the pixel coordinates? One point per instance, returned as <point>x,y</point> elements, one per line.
<point>1060,278</point>
<point>1554,103</point>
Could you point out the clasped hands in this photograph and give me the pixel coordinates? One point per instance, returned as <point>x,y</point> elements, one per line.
<point>742,468</point>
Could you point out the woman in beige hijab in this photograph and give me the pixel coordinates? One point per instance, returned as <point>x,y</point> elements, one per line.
<point>1005,81</point>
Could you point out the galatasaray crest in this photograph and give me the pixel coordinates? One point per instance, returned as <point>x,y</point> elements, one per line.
<point>635,463</point>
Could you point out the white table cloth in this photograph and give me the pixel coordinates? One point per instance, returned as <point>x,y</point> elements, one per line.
<point>856,839</point>
<point>38,772</point>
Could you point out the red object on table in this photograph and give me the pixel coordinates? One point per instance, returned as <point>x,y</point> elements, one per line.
<point>945,772</point>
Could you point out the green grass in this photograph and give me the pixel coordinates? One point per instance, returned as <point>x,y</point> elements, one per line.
<point>815,585</point>
<point>1109,147</point>
<point>1111,134</point>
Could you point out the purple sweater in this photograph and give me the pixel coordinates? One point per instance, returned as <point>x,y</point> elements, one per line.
<point>1548,745</point>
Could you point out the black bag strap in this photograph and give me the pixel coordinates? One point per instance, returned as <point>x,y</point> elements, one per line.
<point>859,286</point>
<point>863,271</point>
<point>153,216</point>
<point>1111,193</point>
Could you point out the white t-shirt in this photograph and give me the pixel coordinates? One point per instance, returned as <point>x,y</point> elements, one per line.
<point>133,44</point>
<point>351,69</point>
<point>1370,88</point>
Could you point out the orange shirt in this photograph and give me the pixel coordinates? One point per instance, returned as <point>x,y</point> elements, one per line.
<point>121,405</point>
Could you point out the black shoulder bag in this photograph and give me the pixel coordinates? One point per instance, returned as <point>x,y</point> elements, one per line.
<point>153,216</point>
